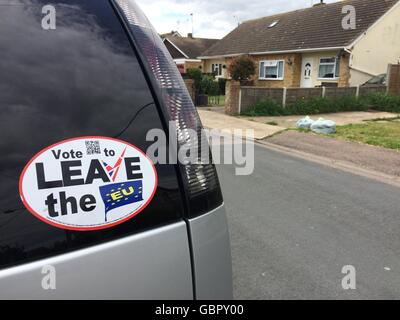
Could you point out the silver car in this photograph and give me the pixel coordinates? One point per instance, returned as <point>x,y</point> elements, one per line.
<point>79,77</point>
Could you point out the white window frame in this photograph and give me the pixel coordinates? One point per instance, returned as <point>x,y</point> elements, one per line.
<point>277,66</point>
<point>219,67</point>
<point>335,78</point>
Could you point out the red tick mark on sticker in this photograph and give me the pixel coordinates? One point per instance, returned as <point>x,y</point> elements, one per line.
<point>113,170</point>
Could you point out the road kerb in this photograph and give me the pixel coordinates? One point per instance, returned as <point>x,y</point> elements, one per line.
<point>336,164</point>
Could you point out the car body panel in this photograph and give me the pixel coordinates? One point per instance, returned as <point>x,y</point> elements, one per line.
<point>151,265</point>
<point>212,256</point>
<point>163,253</point>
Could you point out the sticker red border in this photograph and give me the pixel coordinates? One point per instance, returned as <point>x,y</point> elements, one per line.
<point>61,226</point>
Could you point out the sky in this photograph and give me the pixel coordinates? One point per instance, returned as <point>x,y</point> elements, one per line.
<point>213,18</point>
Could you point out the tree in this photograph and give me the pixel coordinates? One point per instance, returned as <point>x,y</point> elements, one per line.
<point>196,75</point>
<point>209,86</point>
<point>242,68</point>
<point>204,84</point>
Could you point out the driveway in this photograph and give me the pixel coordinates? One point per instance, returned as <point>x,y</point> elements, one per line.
<point>294,224</point>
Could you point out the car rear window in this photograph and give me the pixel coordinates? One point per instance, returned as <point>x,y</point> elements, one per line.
<point>80,79</point>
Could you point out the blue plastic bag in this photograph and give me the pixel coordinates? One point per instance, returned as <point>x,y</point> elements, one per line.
<point>305,123</point>
<point>324,126</point>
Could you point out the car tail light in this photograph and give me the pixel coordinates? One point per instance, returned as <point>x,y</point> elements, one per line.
<point>200,180</point>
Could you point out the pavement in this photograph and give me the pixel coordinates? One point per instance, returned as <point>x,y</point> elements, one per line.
<point>215,118</point>
<point>341,118</point>
<point>361,159</point>
<point>295,224</point>
<point>219,121</point>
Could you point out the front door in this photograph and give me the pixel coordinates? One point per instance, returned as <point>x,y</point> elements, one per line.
<point>306,73</point>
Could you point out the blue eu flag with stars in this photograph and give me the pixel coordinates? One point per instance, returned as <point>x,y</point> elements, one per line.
<point>121,194</point>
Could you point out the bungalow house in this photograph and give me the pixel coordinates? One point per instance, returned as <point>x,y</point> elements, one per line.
<point>185,50</point>
<point>312,47</point>
<point>170,34</point>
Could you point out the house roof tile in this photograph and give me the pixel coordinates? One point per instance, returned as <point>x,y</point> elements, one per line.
<point>316,27</point>
<point>192,47</point>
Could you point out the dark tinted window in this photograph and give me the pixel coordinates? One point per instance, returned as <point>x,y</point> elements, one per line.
<point>81,79</point>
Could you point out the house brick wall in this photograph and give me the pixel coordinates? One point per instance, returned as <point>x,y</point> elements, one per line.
<point>292,71</point>
<point>297,65</point>
<point>344,72</point>
<point>232,97</point>
<point>190,86</point>
<point>192,65</point>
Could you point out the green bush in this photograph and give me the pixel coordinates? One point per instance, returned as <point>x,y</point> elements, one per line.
<point>196,75</point>
<point>204,84</point>
<point>377,101</point>
<point>326,105</point>
<point>209,86</point>
<point>267,108</point>
<point>382,102</point>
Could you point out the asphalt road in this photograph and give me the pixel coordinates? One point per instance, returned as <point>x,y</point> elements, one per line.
<point>294,224</point>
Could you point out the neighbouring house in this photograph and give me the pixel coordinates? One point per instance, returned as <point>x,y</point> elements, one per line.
<point>315,46</point>
<point>170,34</point>
<point>185,50</point>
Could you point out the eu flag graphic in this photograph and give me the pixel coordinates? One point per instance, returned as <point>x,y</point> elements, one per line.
<point>121,194</point>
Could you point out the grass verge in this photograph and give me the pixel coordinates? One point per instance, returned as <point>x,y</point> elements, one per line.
<point>383,134</point>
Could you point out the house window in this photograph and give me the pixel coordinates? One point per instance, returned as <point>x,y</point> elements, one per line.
<point>329,68</point>
<point>216,69</point>
<point>272,69</point>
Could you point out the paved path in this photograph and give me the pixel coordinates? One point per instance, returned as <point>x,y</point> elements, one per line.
<point>216,120</point>
<point>294,224</point>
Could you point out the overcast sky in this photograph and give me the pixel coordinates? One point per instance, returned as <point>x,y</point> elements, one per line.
<point>213,18</point>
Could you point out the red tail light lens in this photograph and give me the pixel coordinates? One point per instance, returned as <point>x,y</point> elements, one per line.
<point>201,180</point>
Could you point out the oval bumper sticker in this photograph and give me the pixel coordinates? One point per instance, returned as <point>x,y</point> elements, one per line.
<point>88,183</point>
